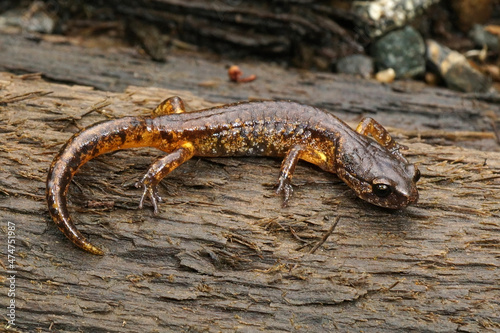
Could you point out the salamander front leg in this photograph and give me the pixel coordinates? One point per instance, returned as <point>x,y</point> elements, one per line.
<point>159,169</point>
<point>287,169</point>
<point>381,135</point>
<point>171,105</point>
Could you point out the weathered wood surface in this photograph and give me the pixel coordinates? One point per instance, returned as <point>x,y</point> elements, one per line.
<point>222,255</point>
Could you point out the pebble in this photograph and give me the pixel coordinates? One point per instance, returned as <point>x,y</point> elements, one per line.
<point>357,64</point>
<point>402,50</point>
<point>386,76</point>
<point>454,68</point>
<point>384,15</point>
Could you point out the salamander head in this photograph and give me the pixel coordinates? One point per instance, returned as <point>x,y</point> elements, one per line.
<point>381,177</point>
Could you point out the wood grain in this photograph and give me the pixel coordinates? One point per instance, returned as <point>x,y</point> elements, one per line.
<point>223,255</point>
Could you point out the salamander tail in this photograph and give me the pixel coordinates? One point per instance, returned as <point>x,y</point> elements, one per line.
<point>98,139</point>
<point>56,200</point>
<point>57,203</point>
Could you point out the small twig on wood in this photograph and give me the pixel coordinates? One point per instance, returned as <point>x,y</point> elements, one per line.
<point>395,283</point>
<point>449,135</point>
<point>325,236</point>
<point>96,107</point>
<point>22,97</point>
<point>303,246</point>
<point>241,240</point>
<point>294,234</point>
<point>31,76</point>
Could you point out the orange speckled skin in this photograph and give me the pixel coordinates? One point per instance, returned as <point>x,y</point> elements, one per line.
<point>268,128</point>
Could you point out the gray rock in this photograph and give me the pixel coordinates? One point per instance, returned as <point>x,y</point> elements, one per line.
<point>39,22</point>
<point>455,69</point>
<point>357,64</point>
<point>482,37</point>
<point>402,50</point>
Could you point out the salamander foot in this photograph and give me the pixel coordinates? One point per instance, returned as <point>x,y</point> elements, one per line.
<point>159,169</point>
<point>150,191</point>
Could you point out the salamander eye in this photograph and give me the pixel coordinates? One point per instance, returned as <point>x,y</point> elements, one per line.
<point>382,190</point>
<point>417,176</point>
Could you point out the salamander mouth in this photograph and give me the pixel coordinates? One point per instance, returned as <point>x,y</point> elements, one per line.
<point>413,198</point>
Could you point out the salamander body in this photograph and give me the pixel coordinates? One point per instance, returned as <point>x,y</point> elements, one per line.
<point>374,168</point>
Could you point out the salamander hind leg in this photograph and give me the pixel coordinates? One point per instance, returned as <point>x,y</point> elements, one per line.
<point>171,105</point>
<point>159,169</point>
<point>287,168</point>
<point>380,134</point>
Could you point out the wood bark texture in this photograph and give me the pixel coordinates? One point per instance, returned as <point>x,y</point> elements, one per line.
<point>222,255</point>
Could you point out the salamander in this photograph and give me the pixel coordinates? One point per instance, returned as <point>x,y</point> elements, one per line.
<point>372,166</point>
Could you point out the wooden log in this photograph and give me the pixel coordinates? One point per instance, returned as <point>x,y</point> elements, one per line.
<point>305,34</point>
<point>223,255</point>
